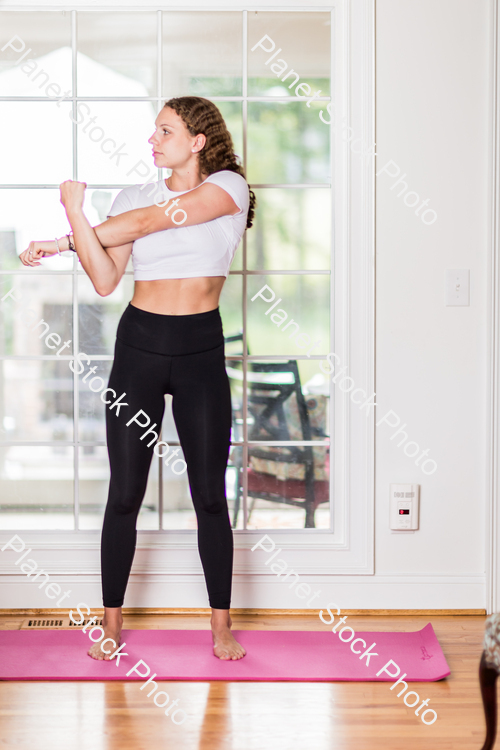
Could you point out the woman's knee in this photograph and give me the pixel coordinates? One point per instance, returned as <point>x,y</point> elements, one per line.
<point>211,504</point>
<point>126,500</point>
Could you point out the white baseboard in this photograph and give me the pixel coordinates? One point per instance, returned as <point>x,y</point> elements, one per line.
<point>258,591</point>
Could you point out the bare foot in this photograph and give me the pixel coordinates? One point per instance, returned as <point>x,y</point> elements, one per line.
<point>225,645</point>
<point>112,622</point>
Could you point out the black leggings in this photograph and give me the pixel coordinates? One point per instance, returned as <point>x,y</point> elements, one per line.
<point>182,355</point>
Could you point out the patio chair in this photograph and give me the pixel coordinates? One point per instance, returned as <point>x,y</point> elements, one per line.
<point>290,475</point>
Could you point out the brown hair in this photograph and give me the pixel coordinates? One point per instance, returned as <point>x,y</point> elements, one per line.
<point>202,116</point>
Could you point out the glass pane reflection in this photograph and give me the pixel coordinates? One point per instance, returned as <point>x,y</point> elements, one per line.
<point>37,316</point>
<point>36,400</point>
<point>46,35</point>
<point>292,230</point>
<point>298,324</point>
<point>280,406</point>
<point>36,487</point>
<point>202,53</point>
<point>117,54</point>
<point>287,143</point>
<point>92,418</point>
<point>288,487</point>
<point>117,145</point>
<point>41,123</point>
<point>27,215</point>
<point>302,44</point>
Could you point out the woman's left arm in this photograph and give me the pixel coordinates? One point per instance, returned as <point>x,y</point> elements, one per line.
<point>205,203</point>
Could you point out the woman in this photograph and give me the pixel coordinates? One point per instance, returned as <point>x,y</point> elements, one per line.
<point>169,339</point>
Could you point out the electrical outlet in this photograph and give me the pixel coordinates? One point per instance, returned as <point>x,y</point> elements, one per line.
<point>404,507</point>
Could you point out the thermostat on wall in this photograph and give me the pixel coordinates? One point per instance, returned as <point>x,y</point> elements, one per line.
<point>404,507</point>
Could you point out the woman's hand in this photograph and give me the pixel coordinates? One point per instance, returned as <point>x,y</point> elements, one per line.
<point>72,195</point>
<point>36,250</point>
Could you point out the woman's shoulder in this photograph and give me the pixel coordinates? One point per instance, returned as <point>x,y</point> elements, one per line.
<point>234,184</point>
<point>228,177</point>
<point>133,196</point>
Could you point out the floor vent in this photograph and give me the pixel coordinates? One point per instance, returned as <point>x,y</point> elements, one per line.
<point>85,622</point>
<point>56,624</point>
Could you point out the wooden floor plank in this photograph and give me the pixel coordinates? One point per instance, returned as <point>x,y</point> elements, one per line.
<point>255,716</point>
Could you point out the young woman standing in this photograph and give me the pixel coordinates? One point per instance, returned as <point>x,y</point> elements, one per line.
<point>169,339</point>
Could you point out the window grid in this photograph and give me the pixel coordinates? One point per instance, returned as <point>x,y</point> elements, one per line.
<point>76,443</point>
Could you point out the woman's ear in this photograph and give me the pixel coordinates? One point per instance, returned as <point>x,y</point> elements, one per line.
<point>199,143</point>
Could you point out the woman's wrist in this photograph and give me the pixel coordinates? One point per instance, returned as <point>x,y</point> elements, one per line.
<point>74,214</point>
<point>63,243</point>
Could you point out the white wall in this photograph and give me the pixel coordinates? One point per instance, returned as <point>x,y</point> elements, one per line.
<point>433,76</point>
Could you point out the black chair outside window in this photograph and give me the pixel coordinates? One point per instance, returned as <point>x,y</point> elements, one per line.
<point>278,411</point>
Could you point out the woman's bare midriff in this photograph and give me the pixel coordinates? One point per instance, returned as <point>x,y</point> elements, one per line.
<point>178,296</point>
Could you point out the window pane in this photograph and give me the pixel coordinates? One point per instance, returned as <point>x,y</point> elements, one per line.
<point>44,411</point>
<point>27,215</point>
<point>287,143</point>
<point>39,321</point>
<point>48,36</point>
<point>115,148</point>
<point>291,231</point>
<point>302,43</point>
<point>94,486</point>
<point>35,147</point>
<point>118,54</point>
<point>316,386</point>
<point>234,486</point>
<point>202,53</point>
<point>99,316</point>
<point>300,321</point>
<point>231,112</point>
<point>282,406</point>
<point>288,487</point>
<point>92,419</point>
<point>230,305</point>
<point>234,369</point>
<point>36,487</point>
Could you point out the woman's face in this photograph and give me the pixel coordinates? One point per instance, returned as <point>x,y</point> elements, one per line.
<point>173,145</point>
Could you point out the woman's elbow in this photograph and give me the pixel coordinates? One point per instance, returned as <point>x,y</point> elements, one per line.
<point>104,290</point>
<point>105,283</point>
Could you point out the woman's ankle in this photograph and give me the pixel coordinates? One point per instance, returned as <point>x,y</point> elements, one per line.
<point>220,618</point>
<point>112,617</point>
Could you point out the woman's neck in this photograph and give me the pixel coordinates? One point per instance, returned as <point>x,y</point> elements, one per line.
<point>178,182</point>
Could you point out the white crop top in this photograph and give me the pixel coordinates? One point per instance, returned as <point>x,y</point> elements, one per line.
<point>186,252</point>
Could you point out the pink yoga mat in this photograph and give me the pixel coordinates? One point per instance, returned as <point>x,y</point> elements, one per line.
<point>297,656</point>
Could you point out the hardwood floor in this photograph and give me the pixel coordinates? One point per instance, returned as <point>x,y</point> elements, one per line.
<point>255,716</point>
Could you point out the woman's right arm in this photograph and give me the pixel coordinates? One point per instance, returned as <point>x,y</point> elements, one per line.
<point>105,267</point>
